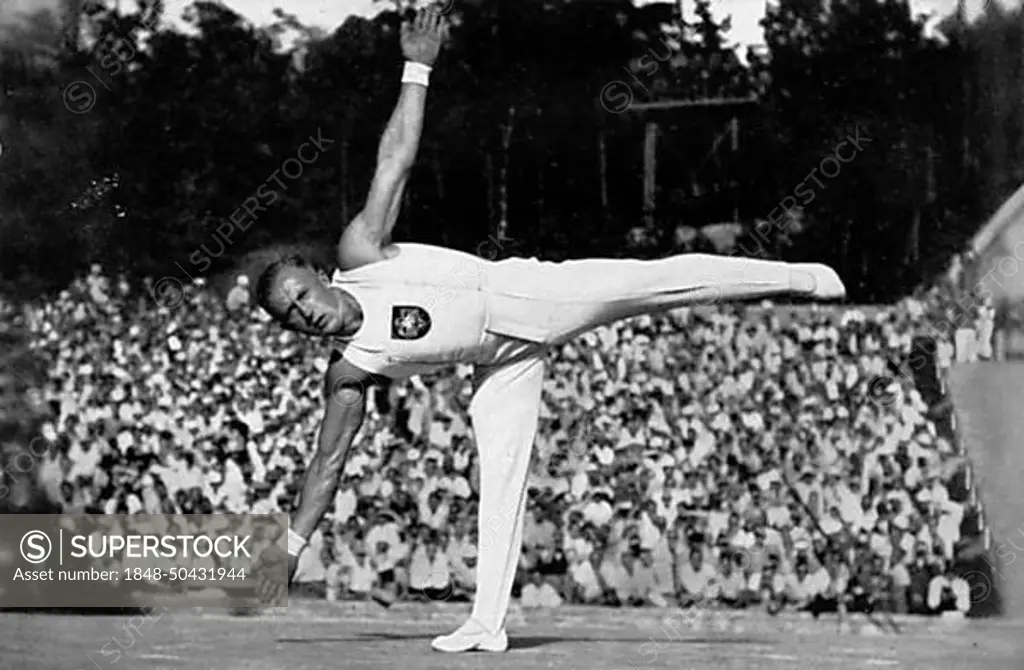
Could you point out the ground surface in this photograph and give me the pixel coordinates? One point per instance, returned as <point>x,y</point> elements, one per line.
<point>588,639</point>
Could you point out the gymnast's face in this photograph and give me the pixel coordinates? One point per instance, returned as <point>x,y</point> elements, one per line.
<point>304,302</point>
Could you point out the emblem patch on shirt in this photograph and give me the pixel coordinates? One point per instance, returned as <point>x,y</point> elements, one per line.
<point>409,323</point>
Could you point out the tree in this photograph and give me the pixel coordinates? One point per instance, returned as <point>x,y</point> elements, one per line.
<point>46,156</point>
<point>857,64</point>
<point>521,140</point>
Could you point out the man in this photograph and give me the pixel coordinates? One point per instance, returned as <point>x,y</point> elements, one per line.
<point>539,593</point>
<point>694,577</point>
<point>643,583</point>
<point>361,573</point>
<point>429,571</point>
<point>801,588</point>
<point>238,296</point>
<point>948,592</point>
<point>731,585</point>
<point>585,583</point>
<point>393,311</point>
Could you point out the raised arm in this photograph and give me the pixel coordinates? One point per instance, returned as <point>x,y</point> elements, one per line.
<point>369,234</point>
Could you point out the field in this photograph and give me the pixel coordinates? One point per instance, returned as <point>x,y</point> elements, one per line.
<point>340,636</point>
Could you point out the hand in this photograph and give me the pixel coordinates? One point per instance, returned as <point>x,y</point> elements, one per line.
<point>422,37</point>
<point>272,570</point>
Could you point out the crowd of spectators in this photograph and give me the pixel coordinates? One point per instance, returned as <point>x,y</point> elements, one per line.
<point>729,456</point>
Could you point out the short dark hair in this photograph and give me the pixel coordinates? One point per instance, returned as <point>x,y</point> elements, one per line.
<point>268,278</point>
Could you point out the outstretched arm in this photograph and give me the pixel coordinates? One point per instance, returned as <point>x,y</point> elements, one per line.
<point>343,416</point>
<point>369,233</point>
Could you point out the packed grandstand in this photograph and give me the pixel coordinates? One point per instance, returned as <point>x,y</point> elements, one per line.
<point>729,456</point>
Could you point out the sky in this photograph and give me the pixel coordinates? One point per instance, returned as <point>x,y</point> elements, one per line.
<point>329,14</point>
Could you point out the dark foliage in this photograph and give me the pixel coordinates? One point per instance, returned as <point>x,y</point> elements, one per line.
<point>184,130</point>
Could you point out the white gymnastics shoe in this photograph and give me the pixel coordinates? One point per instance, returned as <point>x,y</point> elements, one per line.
<point>471,636</point>
<point>818,281</point>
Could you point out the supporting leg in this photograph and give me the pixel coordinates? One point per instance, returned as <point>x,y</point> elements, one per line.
<point>504,412</point>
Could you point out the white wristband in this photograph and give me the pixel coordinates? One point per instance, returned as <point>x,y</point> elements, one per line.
<point>416,73</point>
<point>296,543</point>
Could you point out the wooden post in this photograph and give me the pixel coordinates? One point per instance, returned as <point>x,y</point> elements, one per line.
<point>650,171</point>
<point>651,138</point>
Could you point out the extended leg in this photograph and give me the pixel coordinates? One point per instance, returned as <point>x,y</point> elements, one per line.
<point>504,412</point>
<point>554,301</point>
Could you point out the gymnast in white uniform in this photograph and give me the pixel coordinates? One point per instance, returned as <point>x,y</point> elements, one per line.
<point>396,310</point>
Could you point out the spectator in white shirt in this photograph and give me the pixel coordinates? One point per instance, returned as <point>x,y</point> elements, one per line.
<point>539,594</point>
<point>694,577</point>
<point>665,557</point>
<point>386,532</point>
<point>360,575</point>
<point>644,586</point>
<point>238,296</point>
<point>429,571</point>
<point>833,523</point>
<point>334,572</point>
<point>947,529</point>
<point>866,518</point>
<point>800,587</point>
<point>346,500</point>
<point>599,511</point>
<point>730,586</point>
<point>900,580</point>
<point>577,542</point>
<point>770,585</point>
<point>463,570</point>
<point>949,593</point>
<point>434,509</point>
<point>584,577</point>
<point>311,568</point>
<point>614,575</point>
<point>85,459</point>
<point>649,526</point>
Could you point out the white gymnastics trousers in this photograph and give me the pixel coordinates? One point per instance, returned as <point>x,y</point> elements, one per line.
<point>534,305</point>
